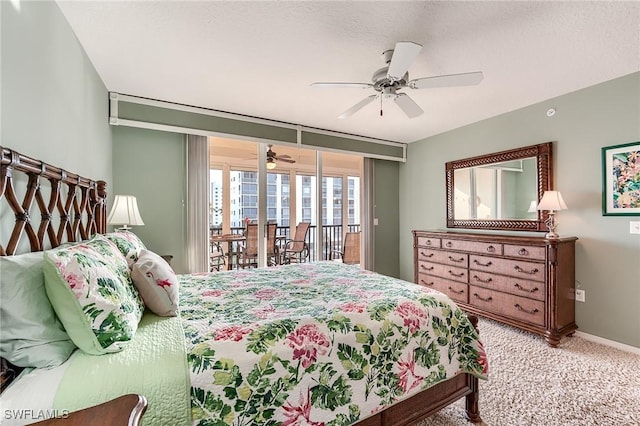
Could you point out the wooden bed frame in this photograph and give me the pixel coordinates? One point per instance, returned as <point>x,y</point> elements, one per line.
<point>75,209</point>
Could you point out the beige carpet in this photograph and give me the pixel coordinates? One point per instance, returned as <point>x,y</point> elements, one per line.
<point>579,383</point>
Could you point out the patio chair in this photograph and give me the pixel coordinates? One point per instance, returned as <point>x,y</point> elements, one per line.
<point>216,257</point>
<point>273,251</point>
<point>248,256</point>
<point>296,250</point>
<point>350,248</point>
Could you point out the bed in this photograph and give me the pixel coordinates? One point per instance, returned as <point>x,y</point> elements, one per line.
<point>321,343</point>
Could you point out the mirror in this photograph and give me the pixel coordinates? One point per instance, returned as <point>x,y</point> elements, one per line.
<point>500,190</point>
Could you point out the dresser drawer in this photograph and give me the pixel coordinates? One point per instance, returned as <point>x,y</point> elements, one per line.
<point>472,246</point>
<point>515,268</point>
<point>455,290</point>
<point>445,271</point>
<point>519,287</point>
<point>444,257</point>
<point>525,252</point>
<point>516,307</point>
<point>428,242</point>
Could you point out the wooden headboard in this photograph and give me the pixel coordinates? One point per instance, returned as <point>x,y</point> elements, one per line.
<point>72,208</point>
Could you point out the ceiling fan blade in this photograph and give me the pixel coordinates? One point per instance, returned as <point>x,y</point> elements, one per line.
<point>464,79</point>
<point>285,160</point>
<point>283,156</point>
<point>353,85</point>
<point>404,54</point>
<point>357,107</point>
<point>407,105</point>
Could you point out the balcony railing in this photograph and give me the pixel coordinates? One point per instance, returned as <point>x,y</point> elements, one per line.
<point>331,238</point>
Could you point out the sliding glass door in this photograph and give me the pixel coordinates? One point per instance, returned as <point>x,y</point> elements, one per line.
<point>291,192</point>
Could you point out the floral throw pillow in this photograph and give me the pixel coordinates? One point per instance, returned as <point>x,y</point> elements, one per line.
<point>157,284</point>
<point>128,243</point>
<point>89,286</point>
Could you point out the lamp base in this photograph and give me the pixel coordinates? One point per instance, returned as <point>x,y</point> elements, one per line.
<point>551,236</point>
<point>552,224</point>
<point>124,228</point>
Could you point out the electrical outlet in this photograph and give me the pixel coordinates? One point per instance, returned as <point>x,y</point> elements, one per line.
<point>634,227</point>
<point>580,295</point>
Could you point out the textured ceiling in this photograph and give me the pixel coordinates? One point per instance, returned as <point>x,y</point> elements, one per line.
<point>259,58</point>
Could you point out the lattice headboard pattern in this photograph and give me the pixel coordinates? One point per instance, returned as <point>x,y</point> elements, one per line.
<point>72,208</point>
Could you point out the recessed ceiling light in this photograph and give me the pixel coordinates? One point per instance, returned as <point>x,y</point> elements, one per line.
<point>551,112</point>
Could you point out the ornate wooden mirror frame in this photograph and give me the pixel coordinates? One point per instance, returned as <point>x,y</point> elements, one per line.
<point>543,155</point>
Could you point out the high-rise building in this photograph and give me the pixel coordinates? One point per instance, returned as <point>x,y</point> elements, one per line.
<point>244,198</point>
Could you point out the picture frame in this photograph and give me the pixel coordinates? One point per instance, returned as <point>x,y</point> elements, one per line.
<point>621,180</point>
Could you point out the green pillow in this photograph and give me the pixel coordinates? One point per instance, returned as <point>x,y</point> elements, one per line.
<point>90,288</point>
<point>128,243</point>
<point>30,333</point>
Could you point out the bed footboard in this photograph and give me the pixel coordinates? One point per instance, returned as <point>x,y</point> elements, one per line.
<point>432,400</point>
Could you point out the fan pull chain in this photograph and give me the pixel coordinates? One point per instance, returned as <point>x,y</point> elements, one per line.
<point>380,105</point>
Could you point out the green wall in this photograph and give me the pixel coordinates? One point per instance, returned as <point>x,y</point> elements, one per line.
<point>607,256</point>
<point>386,199</point>
<point>54,104</point>
<point>151,165</point>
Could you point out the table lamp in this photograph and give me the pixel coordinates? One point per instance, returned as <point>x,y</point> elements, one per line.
<point>125,212</point>
<point>552,201</point>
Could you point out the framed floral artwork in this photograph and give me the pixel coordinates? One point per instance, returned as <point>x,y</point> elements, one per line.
<point>621,179</point>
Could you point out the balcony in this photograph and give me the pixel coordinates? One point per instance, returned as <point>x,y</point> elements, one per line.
<point>331,239</point>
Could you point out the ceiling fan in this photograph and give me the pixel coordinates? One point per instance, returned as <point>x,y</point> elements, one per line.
<point>272,157</point>
<point>393,77</point>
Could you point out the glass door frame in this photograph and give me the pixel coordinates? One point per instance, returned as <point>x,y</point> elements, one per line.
<point>262,182</point>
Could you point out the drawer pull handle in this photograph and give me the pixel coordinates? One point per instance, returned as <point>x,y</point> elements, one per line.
<point>426,283</point>
<point>491,249</point>
<point>488,299</point>
<point>456,291</point>
<point>423,254</point>
<point>489,263</point>
<point>523,252</point>
<point>456,260</point>
<point>428,242</point>
<point>454,274</point>
<point>488,280</point>
<point>531,272</point>
<point>530,290</point>
<point>532,311</point>
<point>449,244</point>
<point>430,268</point>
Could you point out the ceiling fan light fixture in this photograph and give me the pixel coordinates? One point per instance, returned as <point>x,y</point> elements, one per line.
<point>271,164</point>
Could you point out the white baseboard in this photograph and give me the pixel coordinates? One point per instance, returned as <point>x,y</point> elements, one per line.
<point>612,343</point>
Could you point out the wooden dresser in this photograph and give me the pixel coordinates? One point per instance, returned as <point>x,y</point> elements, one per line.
<point>526,282</point>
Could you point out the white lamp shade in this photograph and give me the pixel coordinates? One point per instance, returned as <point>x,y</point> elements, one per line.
<point>552,200</point>
<point>533,206</point>
<point>125,211</point>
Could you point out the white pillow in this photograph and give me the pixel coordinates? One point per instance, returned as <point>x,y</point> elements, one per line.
<point>157,283</point>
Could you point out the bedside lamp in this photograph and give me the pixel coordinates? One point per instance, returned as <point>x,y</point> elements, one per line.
<point>551,201</point>
<point>125,212</point>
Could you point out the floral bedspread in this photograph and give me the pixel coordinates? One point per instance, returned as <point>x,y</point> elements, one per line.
<point>319,343</point>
